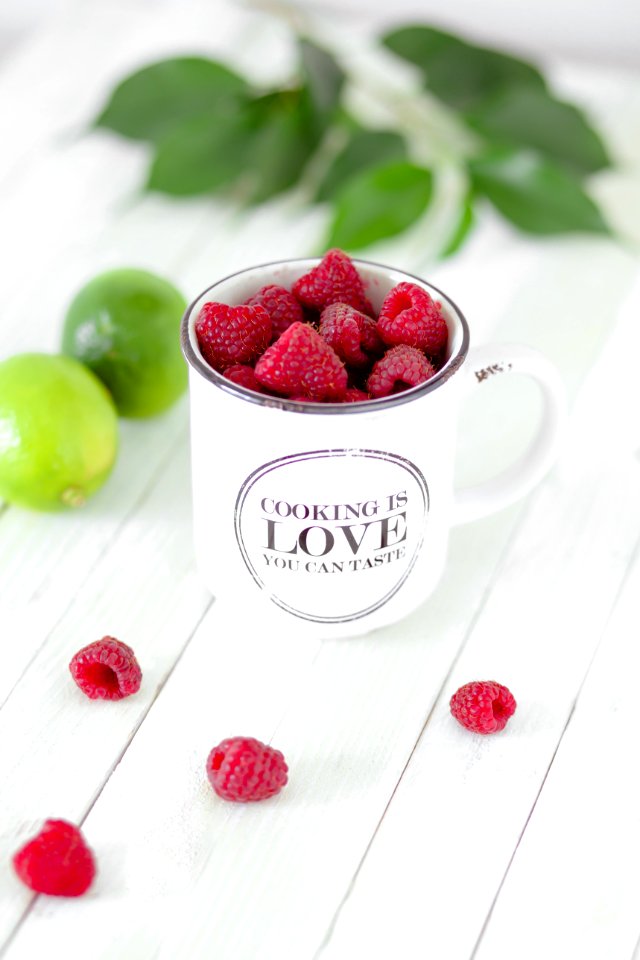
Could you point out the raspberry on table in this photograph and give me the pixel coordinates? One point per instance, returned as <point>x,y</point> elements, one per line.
<point>352,334</point>
<point>57,861</point>
<point>106,670</point>
<point>334,280</point>
<point>280,304</point>
<point>483,706</point>
<point>409,315</point>
<point>229,335</point>
<point>400,368</point>
<point>244,375</point>
<point>301,363</point>
<point>244,769</point>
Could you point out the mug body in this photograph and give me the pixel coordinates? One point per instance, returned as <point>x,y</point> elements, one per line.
<point>332,519</point>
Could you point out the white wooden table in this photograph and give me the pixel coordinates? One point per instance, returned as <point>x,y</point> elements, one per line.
<point>400,834</point>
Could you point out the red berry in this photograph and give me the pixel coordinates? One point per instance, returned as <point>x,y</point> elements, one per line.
<point>106,670</point>
<point>56,861</point>
<point>334,280</point>
<point>400,368</point>
<point>483,706</point>
<point>243,374</point>
<point>281,305</point>
<point>352,334</point>
<point>229,335</point>
<point>354,395</point>
<point>244,769</point>
<point>301,363</point>
<point>410,316</point>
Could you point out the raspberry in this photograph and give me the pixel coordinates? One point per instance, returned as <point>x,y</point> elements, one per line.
<point>243,374</point>
<point>483,706</point>
<point>350,333</point>
<point>229,335</point>
<point>300,363</point>
<point>244,769</point>
<point>410,316</point>
<point>334,280</point>
<point>106,670</point>
<point>56,861</point>
<point>281,305</point>
<point>354,395</point>
<point>400,368</point>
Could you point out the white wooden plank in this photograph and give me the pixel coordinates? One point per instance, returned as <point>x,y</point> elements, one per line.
<point>53,217</point>
<point>87,227</point>
<point>546,301</point>
<point>444,844</point>
<point>573,887</point>
<point>464,801</point>
<point>45,559</point>
<point>57,747</point>
<point>581,900</point>
<point>63,575</point>
<point>248,882</point>
<point>245,883</point>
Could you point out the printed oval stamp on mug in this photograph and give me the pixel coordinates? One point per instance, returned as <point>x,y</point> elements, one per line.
<point>348,548</point>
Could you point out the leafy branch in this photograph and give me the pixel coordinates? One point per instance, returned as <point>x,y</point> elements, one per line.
<point>210,131</point>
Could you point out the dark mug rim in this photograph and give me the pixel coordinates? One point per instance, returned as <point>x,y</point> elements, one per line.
<point>195,361</point>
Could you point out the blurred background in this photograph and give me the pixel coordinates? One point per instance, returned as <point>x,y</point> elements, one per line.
<point>73,200</point>
<point>587,30</point>
<point>514,189</point>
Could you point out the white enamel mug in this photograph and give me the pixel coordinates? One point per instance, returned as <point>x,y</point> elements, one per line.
<point>332,519</point>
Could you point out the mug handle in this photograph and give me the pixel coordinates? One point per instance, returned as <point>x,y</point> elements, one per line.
<point>483,365</point>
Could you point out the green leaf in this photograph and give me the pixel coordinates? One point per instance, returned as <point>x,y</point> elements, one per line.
<point>150,103</point>
<point>201,155</point>
<point>323,78</point>
<point>459,73</point>
<point>266,146</point>
<point>527,116</point>
<point>462,229</point>
<point>379,203</point>
<point>282,143</point>
<point>535,194</point>
<point>365,148</point>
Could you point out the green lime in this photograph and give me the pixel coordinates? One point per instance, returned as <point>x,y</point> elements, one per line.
<point>58,431</point>
<point>125,326</point>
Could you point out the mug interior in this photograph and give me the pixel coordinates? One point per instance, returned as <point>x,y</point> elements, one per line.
<point>378,281</point>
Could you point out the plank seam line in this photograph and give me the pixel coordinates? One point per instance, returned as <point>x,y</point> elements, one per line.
<point>108,546</point>
<point>472,624</point>
<point>636,949</point>
<point>635,553</point>
<point>143,716</point>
